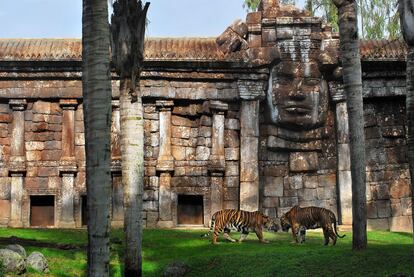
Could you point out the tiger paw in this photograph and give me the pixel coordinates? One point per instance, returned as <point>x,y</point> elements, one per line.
<point>265,241</point>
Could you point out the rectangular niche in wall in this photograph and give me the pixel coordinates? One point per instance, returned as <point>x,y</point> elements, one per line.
<point>42,210</point>
<point>84,210</point>
<point>190,210</point>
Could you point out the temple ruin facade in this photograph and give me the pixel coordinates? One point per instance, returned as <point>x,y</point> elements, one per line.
<point>255,119</point>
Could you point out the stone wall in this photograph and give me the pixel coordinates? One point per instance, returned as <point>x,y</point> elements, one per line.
<point>256,119</point>
<point>388,178</point>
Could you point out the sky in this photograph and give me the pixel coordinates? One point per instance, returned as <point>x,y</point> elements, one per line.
<point>168,18</point>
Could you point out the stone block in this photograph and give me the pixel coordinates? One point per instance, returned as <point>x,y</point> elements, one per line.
<point>50,155</point>
<point>154,138</point>
<point>182,121</point>
<point>231,139</point>
<point>202,141</point>
<point>5,188</point>
<point>204,131</point>
<point>4,209</point>
<point>42,107</point>
<point>311,182</point>
<point>327,180</point>
<point>190,153</point>
<point>150,206</point>
<point>273,186</point>
<point>178,152</point>
<point>384,208</point>
<point>271,202</point>
<point>249,172</point>
<point>202,153</point>
<point>5,118</point>
<point>52,145</point>
<point>231,205</point>
<point>401,224</point>
<point>307,194</point>
<point>344,162</point>
<point>33,155</point>
<point>400,188</point>
<point>80,139</point>
<point>34,145</point>
<point>303,161</point>
<point>232,124</point>
<point>295,182</point>
<point>180,132</point>
<point>152,218</point>
<point>396,209</point>
<point>275,170</point>
<point>55,182</point>
<point>47,171</point>
<point>288,201</point>
<point>150,195</point>
<point>372,132</point>
<point>381,192</point>
<point>290,192</point>
<point>231,182</point>
<point>205,121</point>
<point>232,154</point>
<point>406,205</point>
<point>379,224</point>
<point>231,194</point>
<point>232,169</point>
<point>326,193</point>
<point>249,196</point>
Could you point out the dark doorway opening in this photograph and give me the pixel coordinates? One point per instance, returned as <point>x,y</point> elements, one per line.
<point>42,210</point>
<point>190,210</point>
<point>84,210</point>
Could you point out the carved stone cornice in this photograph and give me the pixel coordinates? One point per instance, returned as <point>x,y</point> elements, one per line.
<point>68,104</point>
<point>164,105</point>
<point>18,104</point>
<point>218,106</point>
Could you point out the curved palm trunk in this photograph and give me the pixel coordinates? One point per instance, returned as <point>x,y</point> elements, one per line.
<point>352,78</point>
<point>406,10</point>
<point>128,31</point>
<point>97,119</point>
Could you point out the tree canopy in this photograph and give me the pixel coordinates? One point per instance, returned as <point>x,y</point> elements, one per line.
<point>379,18</point>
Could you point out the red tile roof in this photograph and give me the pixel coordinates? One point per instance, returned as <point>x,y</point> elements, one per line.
<point>167,49</point>
<point>162,49</point>
<point>382,50</point>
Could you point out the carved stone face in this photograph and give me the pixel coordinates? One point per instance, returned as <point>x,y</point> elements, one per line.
<point>298,96</point>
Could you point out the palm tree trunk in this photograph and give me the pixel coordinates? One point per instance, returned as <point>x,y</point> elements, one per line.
<point>97,119</point>
<point>352,78</point>
<point>128,32</point>
<point>410,119</point>
<point>406,10</point>
<point>132,152</point>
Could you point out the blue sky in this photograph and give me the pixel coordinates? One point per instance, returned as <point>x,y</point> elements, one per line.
<point>63,18</point>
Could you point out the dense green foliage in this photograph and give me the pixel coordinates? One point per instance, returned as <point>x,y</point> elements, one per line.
<point>387,253</point>
<point>379,18</point>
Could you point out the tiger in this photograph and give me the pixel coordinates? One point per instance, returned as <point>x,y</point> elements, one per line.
<point>311,218</point>
<point>242,221</point>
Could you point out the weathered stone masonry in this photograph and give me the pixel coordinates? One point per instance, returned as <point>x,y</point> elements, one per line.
<point>255,119</point>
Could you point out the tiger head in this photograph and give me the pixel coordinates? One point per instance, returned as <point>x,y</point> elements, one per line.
<point>285,223</point>
<point>270,224</point>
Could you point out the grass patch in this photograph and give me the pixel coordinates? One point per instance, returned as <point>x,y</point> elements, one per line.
<point>387,253</point>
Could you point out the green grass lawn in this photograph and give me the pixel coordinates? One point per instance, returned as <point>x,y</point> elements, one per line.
<point>387,253</point>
